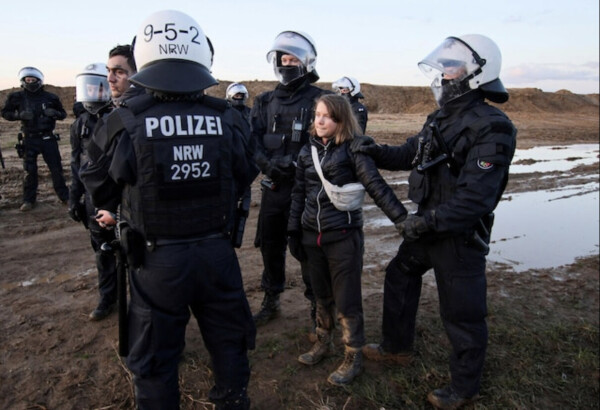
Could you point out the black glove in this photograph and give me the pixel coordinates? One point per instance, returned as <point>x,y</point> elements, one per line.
<point>413,227</point>
<point>365,145</point>
<point>296,247</point>
<point>74,213</point>
<point>25,115</point>
<point>51,112</point>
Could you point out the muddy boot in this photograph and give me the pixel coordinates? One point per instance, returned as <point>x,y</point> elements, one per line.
<point>269,309</point>
<point>320,349</point>
<point>351,367</point>
<point>312,333</point>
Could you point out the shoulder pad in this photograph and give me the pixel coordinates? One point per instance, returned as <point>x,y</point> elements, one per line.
<point>139,103</point>
<point>218,104</point>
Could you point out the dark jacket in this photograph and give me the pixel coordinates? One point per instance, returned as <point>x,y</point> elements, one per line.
<point>481,141</point>
<point>36,103</point>
<point>311,208</point>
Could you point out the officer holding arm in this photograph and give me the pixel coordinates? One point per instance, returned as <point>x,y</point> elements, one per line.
<point>459,165</point>
<point>178,163</point>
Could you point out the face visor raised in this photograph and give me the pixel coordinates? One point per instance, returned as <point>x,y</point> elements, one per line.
<point>451,65</point>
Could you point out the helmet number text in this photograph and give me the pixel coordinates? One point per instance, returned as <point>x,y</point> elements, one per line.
<point>170,32</point>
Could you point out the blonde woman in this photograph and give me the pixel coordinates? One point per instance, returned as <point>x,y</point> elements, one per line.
<point>332,240</point>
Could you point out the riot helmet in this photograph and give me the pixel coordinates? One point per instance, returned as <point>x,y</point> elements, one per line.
<point>91,87</point>
<point>172,54</point>
<point>347,86</point>
<point>297,44</point>
<point>465,63</point>
<point>237,94</point>
<point>31,86</point>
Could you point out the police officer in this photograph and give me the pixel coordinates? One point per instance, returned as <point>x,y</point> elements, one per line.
<point>93,93</point>
<point>178,164</point>
<point>237,95</point>
<point>38,111</point>
<point>459,166</point>
<point>280,124</point>
<point>349,87</point>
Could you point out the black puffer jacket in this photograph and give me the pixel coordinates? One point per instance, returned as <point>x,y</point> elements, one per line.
<point>311,208</point>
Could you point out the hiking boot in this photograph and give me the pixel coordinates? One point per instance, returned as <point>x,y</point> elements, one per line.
<point>102,311</point>
<point>448,399</point>
<point>320,349</point>
<point>375,352</point>
<point>27,206</point>
<point>269,309</point>
<point>351,367</point>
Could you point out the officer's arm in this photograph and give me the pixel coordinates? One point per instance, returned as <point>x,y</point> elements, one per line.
<point>378,189</point>
<point>244,170</point>
<point>10,109</point>
<point>76,189</point>
<point>259,128</point>
<point>396,157</point>
<point>57,105</point>
<point>298,194</point>
<point>480,184</point>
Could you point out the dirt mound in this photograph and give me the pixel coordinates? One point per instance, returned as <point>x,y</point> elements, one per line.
<point>385,99</point>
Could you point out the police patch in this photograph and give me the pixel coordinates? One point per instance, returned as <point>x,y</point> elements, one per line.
<point>484,164</point>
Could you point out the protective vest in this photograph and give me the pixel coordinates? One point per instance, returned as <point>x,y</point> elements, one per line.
<point>36,103</point>
<point>85,125</point>
<point>433,178</point>
<point>289,120</point>
<point>184,186</point>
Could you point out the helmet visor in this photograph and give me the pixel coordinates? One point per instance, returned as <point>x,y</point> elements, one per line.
<point>452,59</point>
<point>292,43</point>
<point>91,88</point>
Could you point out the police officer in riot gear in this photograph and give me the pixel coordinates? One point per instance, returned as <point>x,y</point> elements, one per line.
<point>92,91</point>
<point>280,124</point>
<point>38,111</point>
<point>349,87</point>
<point>237,95</point>
<point>459,166</point>
<point>177,165</point>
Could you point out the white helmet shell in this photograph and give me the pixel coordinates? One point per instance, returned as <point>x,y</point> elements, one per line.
<point>299,45</point>
<point>172,54</point>
<point>350,83</point>
<point>91,85</point>
<point>31,72</point>
<point>236,88</point>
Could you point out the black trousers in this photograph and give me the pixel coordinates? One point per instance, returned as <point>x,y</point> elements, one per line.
<point>335,273</point>
<point>460,276</point>
<point>106,263</point>
<point>202,277</point>
<point>48,147</point>
<point>271,237</point>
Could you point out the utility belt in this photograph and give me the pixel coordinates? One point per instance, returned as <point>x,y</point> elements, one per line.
<point>45,135</point>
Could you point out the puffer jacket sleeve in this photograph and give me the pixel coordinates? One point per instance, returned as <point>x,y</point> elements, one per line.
<point>298,193</point>
<point>378,189</point>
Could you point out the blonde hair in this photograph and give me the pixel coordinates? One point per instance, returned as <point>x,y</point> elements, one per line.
<point>340,111</point>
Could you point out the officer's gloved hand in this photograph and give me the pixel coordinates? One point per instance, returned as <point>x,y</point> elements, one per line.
<point>74,213</point>
<point>51,112</point>
<point>414,226</point>
<point>296,247</point>
<point>365,145</point>
<point>25,115</point>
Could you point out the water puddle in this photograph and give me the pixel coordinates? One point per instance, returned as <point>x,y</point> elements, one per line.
<point>544,229</point>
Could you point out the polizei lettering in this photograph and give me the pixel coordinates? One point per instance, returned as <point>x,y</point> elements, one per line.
<point>182,125</point>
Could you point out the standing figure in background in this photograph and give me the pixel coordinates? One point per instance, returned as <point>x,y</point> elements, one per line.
<point>349,87</point>
<point>237,95</point>
<point>280,123</point>
<point>459,165</point>
<point>38,111</point>
<point>93,93</point>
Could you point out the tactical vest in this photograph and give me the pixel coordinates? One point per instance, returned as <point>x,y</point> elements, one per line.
<point>36,103</point>
<point>86,123</point>
<point>288,121</point>
<point>435,185</point>
<point>184,186</point>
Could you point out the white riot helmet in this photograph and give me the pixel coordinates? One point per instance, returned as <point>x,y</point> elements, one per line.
<point>172,54</point>
<point>31,72</point>
<point>91,87</point>
<point>347,85</point>
<point>465,63</point>
<point>301,46</point>
<point>234,90</point>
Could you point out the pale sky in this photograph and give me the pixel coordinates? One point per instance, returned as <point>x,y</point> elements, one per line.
<point>551,45</point>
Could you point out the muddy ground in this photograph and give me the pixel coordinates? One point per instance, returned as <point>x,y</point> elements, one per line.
<point>53,357</point>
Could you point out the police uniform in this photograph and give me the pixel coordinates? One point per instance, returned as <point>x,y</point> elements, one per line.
<point>280,123</point>
<point>39,138</point>
<point>360,112</point>
<point>456,189</point>
<point>81,135</point>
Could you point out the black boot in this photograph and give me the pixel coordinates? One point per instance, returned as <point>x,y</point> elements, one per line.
<point>269,309</point>
<point>351,367</point>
